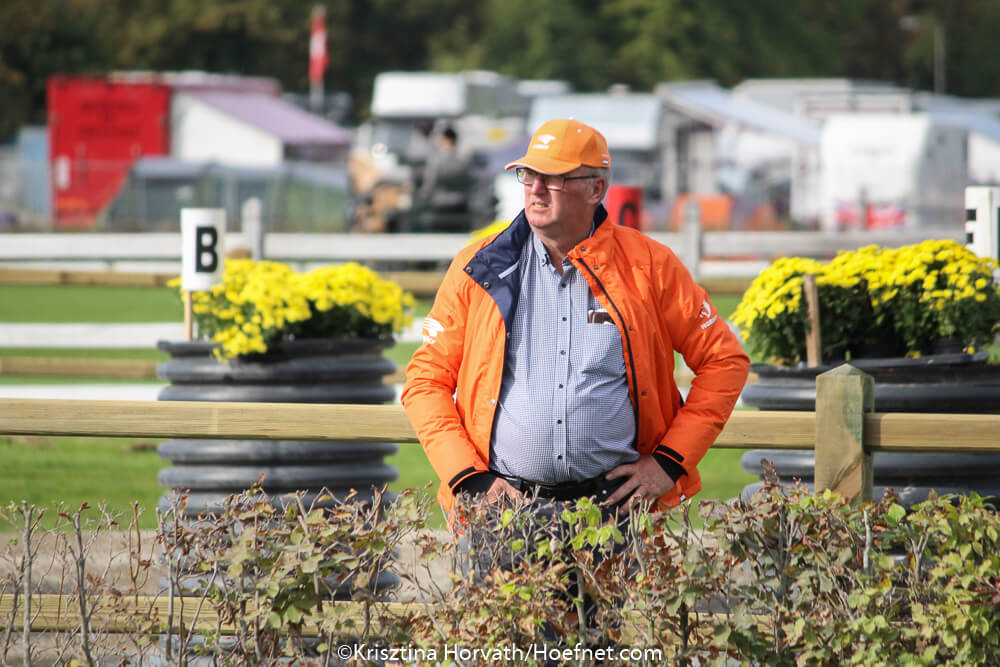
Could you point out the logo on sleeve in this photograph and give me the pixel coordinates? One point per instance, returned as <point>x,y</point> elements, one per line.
<point>431,328</point>
<point>706,313</point>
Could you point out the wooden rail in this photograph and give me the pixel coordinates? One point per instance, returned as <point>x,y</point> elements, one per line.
<point>53,612</point>
<point>423,284</point>
<point>78,367</point>
<point>420,283</point>
<point>884,432</point>
<point>843,431</point>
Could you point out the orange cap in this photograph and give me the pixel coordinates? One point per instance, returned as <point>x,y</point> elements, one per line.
<point>561,145</point>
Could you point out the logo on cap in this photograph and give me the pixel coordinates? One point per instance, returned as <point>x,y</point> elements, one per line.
<point>545,140</point>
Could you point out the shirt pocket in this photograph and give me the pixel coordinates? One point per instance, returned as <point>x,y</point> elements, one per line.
<point>600,350</point>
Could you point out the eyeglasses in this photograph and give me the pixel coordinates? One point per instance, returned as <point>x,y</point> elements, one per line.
<point>526,176</point>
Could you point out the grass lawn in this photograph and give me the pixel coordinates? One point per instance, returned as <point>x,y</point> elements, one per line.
<point>48,472</point>
<point>84,303</point>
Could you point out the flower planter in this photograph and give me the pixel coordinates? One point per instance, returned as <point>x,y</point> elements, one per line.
<point>303,371</point>
<point>956,383</point>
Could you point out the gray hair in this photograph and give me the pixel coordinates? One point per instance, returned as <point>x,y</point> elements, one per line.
<point>600,172</point>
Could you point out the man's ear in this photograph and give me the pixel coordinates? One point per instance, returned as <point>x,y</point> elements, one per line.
<point>596,193</point>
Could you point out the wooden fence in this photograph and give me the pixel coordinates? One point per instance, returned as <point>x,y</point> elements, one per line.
<point>843,432</point>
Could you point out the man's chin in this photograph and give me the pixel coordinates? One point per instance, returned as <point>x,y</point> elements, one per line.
<point>537,219</point>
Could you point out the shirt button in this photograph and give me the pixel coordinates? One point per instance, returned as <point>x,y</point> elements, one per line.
<point>560,386</point>
<point>486,284</point>
<point>468,269</point>
<point>562,351</point>
<point>564,319</point>
<point>563,285</point>
<point>559,421</point>
<point>559,457</point>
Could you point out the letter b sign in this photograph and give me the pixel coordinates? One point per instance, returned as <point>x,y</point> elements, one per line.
<point>202,237</point>
<point>206,249</point>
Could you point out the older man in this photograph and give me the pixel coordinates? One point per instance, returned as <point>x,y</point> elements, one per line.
<point>547,366</point>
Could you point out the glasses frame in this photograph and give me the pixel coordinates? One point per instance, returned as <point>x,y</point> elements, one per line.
<point>521,172</point>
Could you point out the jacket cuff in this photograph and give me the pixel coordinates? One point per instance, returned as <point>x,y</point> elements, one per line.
<point>461,476</point>
<point>670,460</point>
<point>476,483</point>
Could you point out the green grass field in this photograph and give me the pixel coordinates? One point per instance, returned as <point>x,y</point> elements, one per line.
<point>81,303</point>
<point>50,471</point>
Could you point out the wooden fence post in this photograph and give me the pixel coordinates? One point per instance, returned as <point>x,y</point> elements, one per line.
<point>843,396</point>
<point>814,344</point>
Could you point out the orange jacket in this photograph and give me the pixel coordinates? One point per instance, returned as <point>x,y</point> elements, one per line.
<point>453,380</point>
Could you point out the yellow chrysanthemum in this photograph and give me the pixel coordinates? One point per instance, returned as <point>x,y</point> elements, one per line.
<point>258,303</point>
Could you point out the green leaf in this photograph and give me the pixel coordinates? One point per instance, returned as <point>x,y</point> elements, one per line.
<point>895,514</point>
<point>293,615</point>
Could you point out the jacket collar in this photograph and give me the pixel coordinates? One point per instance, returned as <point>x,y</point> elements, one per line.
<point>496,266</point>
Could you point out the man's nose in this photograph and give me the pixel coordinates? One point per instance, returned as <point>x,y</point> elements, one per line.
<point>538,186</point>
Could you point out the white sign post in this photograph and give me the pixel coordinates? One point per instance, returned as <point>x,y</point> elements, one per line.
<point>203,235</point>
<point>982,220</point>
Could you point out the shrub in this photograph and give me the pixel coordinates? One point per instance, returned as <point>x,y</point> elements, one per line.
<point>785,578</point>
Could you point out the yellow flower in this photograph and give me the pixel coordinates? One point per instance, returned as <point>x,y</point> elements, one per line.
<point>258,303</point>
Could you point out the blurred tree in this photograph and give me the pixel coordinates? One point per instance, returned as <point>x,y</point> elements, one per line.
<point>38,39</point>
<point>873,40</point>
<point>559,42</point>
<point>258,37</point>
<point>969,29</point>
<point>590,43</point>
<point>366,37</point>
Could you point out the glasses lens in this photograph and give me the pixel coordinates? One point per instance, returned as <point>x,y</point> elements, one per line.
<point>525,176</point>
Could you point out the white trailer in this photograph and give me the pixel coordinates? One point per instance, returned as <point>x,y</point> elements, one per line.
<point>632,123</point>
<point>890,170</point>
<point>483,107</point>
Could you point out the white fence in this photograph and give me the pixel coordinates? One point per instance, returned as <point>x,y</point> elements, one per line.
<point>721,253</point>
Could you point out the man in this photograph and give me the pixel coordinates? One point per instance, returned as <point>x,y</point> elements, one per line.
<point>445,184</point>
<point>547,366</point>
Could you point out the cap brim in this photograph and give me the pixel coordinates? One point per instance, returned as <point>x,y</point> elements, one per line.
<point>544,165</point>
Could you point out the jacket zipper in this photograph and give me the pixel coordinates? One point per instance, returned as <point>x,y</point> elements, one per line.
<point>628,345</point>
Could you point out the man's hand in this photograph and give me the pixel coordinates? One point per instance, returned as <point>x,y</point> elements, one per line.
<point>646,481</point>
<point>501,490</point>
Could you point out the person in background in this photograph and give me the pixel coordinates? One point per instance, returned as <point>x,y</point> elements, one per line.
<point>444,187</point>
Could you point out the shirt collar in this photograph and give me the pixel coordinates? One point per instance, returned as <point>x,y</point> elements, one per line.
<point>543,254</point>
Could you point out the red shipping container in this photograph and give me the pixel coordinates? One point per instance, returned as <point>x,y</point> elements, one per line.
<point>97,130</point>
<point>624,204</point>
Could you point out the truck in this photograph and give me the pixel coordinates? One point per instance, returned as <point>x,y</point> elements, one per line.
<point>409,111</point>
<point>890,170</point>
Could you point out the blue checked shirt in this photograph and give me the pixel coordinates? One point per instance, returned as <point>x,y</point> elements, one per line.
<point>564,412</point>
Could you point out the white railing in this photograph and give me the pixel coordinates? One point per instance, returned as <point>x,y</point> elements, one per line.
<point>710,253</point>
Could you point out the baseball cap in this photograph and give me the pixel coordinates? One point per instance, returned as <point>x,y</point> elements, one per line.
<point>561,145</point>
